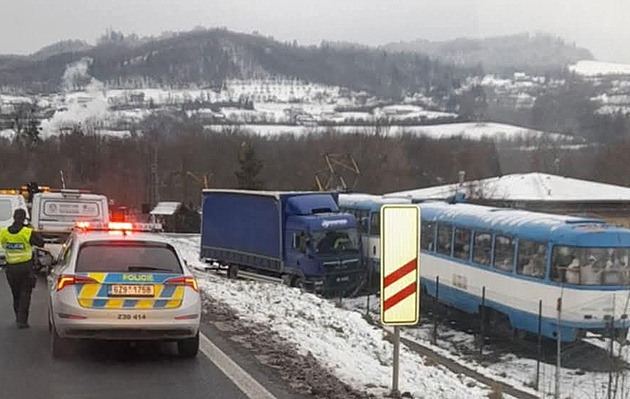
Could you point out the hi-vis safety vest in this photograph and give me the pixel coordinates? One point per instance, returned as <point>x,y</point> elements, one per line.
<point>17,247</point>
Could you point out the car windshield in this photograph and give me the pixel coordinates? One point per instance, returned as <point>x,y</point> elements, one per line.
<point>591,266</point>
<point>127,257</point>
<point>335,241</point>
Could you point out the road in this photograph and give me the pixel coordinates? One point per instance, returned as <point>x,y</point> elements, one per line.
<point>105,369</point>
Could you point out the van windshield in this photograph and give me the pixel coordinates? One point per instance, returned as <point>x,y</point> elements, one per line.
<point>328,242</point>
<point>113,256</point>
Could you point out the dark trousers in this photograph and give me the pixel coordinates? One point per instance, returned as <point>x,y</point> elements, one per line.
<point>21,278</point>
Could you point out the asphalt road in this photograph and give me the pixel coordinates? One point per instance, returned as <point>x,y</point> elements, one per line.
<point>97,369</point>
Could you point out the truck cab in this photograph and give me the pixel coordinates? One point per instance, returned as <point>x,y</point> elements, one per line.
<point>322,246</point>
<point>324,252</point>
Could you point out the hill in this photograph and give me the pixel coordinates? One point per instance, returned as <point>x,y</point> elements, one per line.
<point>61,47</point>
<point>206,58</point>
<point>539,53</point>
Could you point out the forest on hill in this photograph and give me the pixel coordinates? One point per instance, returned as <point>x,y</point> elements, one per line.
<point>206,58</point>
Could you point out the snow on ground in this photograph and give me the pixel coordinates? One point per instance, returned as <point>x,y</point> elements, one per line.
<point>338,338</point>
<point>470,130</point>
<point>7,134</point>
<point>598,68</point>
<point>353,349</point>
<point>510,368</point>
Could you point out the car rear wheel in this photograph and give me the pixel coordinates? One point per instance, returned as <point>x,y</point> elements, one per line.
<point>188,347</point>
<point>58,345</point>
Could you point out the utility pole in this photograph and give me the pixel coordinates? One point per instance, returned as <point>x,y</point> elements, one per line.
<point>612,346</point>
<point>558,349</point>
<point>63,180</point>
<point>154,182</point>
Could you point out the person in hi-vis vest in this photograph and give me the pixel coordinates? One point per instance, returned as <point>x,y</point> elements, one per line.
<point>17,241</point>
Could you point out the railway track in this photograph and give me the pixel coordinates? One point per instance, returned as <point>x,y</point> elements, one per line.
<point>581,355</point>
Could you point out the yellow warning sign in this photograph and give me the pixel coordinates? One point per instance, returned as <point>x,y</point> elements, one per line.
<point>400,265</point>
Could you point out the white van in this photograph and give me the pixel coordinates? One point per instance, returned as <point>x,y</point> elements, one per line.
<point>54,214</point>
<point>8,204</point>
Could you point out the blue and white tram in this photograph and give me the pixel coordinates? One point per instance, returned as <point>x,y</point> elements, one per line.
<point>523,260</point>
<point>366,208</point>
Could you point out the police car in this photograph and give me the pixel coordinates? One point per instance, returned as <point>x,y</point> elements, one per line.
<point>119,282</point>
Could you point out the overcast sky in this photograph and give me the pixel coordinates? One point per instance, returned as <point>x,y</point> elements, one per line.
<point>600,25</point>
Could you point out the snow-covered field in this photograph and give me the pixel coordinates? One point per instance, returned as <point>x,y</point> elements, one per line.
<point>597,68</point>
<point>354,350</point>
<point>338,338</point>
<point>470,130</point>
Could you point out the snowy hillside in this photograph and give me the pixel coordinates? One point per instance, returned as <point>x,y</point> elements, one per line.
<point>469,131</point>
<point>598,68</point>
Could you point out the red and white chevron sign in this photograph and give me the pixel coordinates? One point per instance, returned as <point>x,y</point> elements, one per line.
<point>400,264</point>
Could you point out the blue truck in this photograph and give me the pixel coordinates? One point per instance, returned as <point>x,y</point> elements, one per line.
<point>298,238</point>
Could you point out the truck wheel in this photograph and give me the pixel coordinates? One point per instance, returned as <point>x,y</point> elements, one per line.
<point>298,282</point>
<point>287,280</point>
<point>232,272</point>
<point>188,347</point>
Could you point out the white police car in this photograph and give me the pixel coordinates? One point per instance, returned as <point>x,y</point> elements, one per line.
<point>122,283</point>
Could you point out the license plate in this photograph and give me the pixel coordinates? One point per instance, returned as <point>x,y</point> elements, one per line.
<point>342,279</point>
<point>131,290</point>
<point>127,316</point>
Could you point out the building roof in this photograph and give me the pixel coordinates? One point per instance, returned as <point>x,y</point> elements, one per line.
<point>525,187</point>
<point>166,208</point>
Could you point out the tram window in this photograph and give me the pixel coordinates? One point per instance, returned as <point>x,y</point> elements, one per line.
<point>481,248</point>
<point>591,266</point>
<point>375,224</point>
<point>531,258</point>
<point>503,253</point>
<point>427,239</point>
<point>461,248</point>
<point>444,239</point>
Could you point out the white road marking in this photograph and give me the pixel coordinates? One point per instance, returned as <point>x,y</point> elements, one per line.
<point>245,382</point>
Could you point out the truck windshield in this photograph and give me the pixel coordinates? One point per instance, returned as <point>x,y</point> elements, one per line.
<point>591,266</point>
<point>328,242</point>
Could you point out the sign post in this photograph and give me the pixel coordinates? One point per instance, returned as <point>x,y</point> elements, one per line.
<point>400,273</point>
